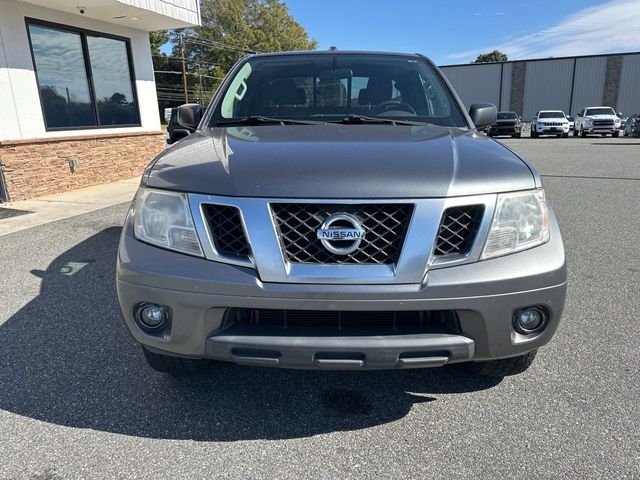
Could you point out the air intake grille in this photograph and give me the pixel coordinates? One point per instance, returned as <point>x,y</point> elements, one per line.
<point>385,227</point>
<point>440,321</point>
<point>603,123</point>
<point>225,225</point>
<point>458,229</point>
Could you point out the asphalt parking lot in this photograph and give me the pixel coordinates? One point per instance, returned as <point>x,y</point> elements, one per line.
<point>78,401</point>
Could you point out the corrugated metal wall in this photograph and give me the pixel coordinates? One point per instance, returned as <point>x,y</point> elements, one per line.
<point>589,84</point>
<point>547,86</point>
<point>482,86</point>
<point>568,84</point>
<point>629,92</point>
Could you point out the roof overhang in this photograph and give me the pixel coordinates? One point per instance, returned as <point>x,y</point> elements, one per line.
<point>149,15</point>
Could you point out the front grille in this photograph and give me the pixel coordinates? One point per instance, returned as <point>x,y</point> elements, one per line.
<point>553,124</point>
<point>225,225</point>
<point>369,322</point>
<point>603,123</point>
<point>458,229</point>
<point>385,226</point>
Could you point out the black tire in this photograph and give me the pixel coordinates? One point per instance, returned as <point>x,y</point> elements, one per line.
<point>626,134</point>
<point>534,134</point>
<point>176,366</point>
<point>583,134</point>
<point>575,132</point>
<point>616,133</point>
<point>565,135</point>
<point>603,134</point>
<point>505,366</point>
<point>516,135</point>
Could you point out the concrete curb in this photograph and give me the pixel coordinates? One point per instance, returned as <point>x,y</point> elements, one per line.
<point>51,208</point>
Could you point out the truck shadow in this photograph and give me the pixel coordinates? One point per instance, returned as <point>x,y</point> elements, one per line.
<point>66,358</point>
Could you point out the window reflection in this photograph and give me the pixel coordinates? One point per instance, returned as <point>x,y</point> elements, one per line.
<point>61,62</point>
<point>62,77</point>
<point>112,81</point>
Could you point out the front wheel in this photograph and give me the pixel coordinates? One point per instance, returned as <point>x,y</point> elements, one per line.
<point>616,133</point>
<point>583,134</point>
<point>176,366</point>
<point>575,132</point>
<point>565,135</point>
<point>504,366</point>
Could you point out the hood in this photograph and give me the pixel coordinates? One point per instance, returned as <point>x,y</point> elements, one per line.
<point>339,161</point>
<point>602,117</point>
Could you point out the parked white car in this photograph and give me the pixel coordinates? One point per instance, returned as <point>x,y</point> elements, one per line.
<point>602,120</point>
<point>550,122</point>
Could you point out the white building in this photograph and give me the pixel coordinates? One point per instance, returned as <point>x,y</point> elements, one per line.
<point>77,93</point>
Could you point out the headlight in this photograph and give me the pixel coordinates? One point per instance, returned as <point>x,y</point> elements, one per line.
<point>588,122</point>
<point>520,221</point>
<point>163,219</point>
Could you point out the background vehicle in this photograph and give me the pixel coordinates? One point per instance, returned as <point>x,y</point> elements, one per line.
<point>550,122</point>
<point>623,120</point>
<point>507,123</point>
<point>632,126</point>
<point>571,123</point>
<point>178,130</point>
<point>597,120</point>
<point>280,233</point>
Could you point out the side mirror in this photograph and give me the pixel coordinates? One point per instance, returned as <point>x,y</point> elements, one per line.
<point>483,114</point>
<point>620,114</point>
<point>189,116</point>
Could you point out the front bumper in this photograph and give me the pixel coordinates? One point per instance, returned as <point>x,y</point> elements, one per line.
<point>483,295</point>
<point>601,129</point>
<point>504,130</point>
<point>552,130</point>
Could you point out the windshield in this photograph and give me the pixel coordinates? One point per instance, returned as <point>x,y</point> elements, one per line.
<point>600,111</point>
<point>507,115</point>
<point>551,115</point>
<point>330,87</point>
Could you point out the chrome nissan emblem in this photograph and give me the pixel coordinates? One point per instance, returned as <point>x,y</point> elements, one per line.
<point>341,233</point>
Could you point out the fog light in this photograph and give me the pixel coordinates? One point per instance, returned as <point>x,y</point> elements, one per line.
<point>530,320</point>
<point>151,316</point>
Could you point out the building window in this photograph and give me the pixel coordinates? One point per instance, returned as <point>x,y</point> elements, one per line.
<point>85,78</point>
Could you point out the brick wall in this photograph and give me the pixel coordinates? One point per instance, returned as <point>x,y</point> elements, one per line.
<point>33,168</point>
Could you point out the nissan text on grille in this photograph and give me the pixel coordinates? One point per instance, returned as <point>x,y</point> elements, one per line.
<point>340,210</point>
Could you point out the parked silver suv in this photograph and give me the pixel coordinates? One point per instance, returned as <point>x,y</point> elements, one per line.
<point>338,210</point>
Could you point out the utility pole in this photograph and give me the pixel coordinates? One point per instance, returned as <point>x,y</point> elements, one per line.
<point>200,76</point>
<point>184,71</point>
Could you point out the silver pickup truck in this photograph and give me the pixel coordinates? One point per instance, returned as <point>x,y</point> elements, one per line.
<point>339,210</point>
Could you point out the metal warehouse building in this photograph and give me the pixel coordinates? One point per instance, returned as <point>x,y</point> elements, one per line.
<point>568,83</point>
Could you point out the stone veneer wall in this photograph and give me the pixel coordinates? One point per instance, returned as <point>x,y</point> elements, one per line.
<point>33,168</point>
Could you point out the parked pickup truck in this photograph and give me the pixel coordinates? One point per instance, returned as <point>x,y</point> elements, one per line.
<point>339,210</point>
<point>550,122</point>
<point>598,120</point>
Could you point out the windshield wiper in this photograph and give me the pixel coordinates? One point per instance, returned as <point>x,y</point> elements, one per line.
<point>260,120</point>
<point>359,119</point>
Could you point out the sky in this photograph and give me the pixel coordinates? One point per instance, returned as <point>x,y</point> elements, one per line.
<point>452,32</point>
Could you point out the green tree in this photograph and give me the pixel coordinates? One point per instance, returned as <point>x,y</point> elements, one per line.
<point>495,56</point>
<point>231,29</point>
<point>157,39</point>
